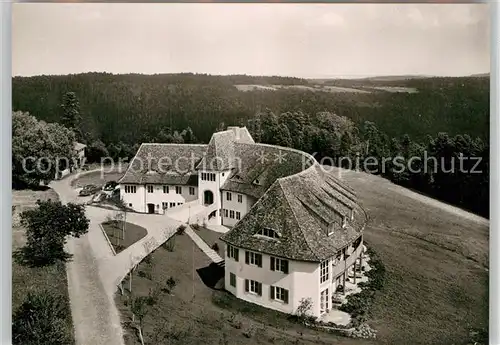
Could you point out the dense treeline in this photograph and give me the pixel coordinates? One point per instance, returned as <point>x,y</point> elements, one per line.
<point>135,108</point>
<point>446,119</point>
<point>453,169</point>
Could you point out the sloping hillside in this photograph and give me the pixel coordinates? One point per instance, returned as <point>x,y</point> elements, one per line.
<point>436,257</point>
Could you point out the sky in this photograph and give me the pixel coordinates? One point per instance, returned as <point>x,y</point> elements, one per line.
<point>310,41</point>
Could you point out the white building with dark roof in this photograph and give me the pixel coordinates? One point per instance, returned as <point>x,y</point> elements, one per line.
<point>295,230</point>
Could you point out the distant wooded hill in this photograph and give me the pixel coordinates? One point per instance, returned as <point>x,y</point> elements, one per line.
<point>135,108</point>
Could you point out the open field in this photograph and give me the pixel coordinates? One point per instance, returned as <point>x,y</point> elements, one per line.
<point>133,233</point>
<point>436,263</point>
<point>35,279</point>
<point>189,316</point>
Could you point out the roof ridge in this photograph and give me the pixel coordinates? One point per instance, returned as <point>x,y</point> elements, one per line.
<point>174,144</point>
<point>295,217</point>
<point>130,164</point>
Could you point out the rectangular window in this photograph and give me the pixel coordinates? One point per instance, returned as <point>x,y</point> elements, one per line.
<point>233,253</point>
<point>240,198</point>
<point>231,214</point>
<point>130,189</point>
<point>228,196</point>
<point>172,204</point>
<point>278,264</point>
<point>226,213</point>
<point>165,189</point>
<point>324,270</point>
<point>232,279</point>
<point>279,294</point>
<point>252,258</point>
<point>238,215</point>
<point>191,190</point>
<point>150,189</point>
<point>164,205</point>
<point>253,287</point>
<point>178,189</point>
<point>324,300</point>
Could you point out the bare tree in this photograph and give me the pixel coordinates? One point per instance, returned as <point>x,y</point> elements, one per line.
<point>139,309</point>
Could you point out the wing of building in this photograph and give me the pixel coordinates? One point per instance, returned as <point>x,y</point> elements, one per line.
<point>295,229</point>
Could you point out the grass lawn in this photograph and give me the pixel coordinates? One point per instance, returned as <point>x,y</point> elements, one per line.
<point>436,286</point>
<point>133,233</point>
<point>97,178</point>
<point>34,279</point>
<point>190,314</point>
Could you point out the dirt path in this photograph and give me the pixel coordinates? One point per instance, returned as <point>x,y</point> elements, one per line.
<point>95,317</point>
<point>94,272</point>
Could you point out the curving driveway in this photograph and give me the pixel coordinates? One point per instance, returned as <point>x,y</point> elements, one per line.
<point>94,272</point>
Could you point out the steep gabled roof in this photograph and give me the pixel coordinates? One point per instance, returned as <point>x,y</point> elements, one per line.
<point>164,164</point>
<point>304,209</point>
<point>219,155</point>
<point>258,166</point>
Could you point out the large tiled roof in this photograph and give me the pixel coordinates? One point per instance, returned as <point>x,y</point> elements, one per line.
<point>164,164</point>
<point>297,198</point>
<point>301,208</point>
<point>258,166</point>
<point>220,154</point>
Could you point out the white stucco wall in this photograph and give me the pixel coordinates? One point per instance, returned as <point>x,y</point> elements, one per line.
<point>242,207</point>
<point>158,197</point>
<point>302,281</point>
<point>137,199</point>
<point>214,187</point>
<point>141,198</point>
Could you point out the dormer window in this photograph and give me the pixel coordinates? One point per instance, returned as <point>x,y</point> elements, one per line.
<point>256,182</point>
<point>270,233</point>
<point>331,228</point>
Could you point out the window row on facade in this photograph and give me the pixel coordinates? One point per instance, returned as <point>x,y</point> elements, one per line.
<point>255,259</point>
<point>166,189</point>
<point>276,293</point>
<point>166,205</point>
<point>231,214</point>
<point>207,176</point>
<point>229,197</point>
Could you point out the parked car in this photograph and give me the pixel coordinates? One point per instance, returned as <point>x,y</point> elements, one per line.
<point>110,186</point>
<point>89,190</point>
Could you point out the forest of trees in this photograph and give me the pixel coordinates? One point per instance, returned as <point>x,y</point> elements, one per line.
<point>446,118</point>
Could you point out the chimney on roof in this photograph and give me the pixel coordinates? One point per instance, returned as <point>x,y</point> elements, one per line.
<point>236,131</point>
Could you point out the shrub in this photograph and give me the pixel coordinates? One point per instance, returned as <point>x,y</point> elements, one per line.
<point>42,319</point>
<point>170,284</point>
<point>358,304</point>
<point>170,244</point>
<point>195,226</point>
<point>304,309</point>
<point>215,247</point>
<point>181,229</point>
